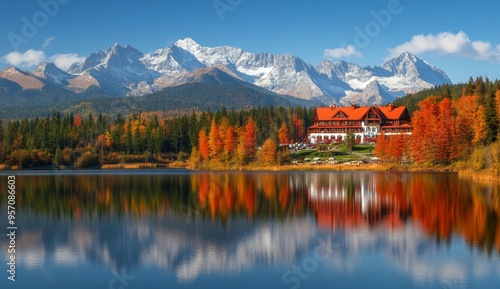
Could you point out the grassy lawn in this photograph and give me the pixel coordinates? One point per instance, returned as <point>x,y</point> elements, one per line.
<point>363,149</point>
<point>337,151</point>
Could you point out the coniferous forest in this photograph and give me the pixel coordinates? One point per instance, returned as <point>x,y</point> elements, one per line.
<point>76,140</point>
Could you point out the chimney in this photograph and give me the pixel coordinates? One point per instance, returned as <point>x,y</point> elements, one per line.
<point>353,106</point>
<point>391,107</point>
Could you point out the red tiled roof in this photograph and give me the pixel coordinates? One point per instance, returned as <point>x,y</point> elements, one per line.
<point>357,113</point>
<point>328,113</point>
<point>395,113</point>
<point>335,126</point>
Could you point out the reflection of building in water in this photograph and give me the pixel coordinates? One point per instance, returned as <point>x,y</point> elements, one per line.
<point>351,200</point>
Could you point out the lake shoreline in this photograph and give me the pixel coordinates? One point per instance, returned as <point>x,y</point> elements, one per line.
<point>484,175</point>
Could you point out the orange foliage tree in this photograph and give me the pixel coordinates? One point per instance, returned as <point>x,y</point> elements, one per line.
<point>283,134</point>
<point>203,145</point>
<point>250,139</point>
<point>423,122</point>
<point>465,108</point>
<point>268,152</point>
<point>398,147</point>
<point>229,142</point>
<point>214,141</point>
<point>444,132</point>
<point>381,146</point>
<point>479,126</point>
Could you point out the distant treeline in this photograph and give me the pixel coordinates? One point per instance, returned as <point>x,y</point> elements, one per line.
<point>68,139</point>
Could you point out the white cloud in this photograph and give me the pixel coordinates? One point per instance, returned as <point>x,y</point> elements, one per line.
<point>29,58</point>
<point>447,43</point>
<point>47,42</point>
<point>64,61</point>
<point>32,58</point>
<point>343,52</point>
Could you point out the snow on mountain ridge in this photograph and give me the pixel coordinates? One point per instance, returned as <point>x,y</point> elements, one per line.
<point>52,73</point>
<point>124,70</point>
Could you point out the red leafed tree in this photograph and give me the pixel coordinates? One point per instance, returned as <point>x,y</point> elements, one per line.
<point>444,131</point>
<point>203,145</point>
<point>299,128</point>
<point>250,140</point>
<point>423,122</point>
<point>78,120</point>
<point>397,147</point>
<point>283,134</point>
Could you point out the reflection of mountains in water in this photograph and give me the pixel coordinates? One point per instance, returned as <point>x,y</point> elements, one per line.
<point>187,247</point>
<point>195,248</point>
<point>183,224</point>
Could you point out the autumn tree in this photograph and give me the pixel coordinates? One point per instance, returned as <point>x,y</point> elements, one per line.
<point>78,120</point>
<point>250,138</point>
<point>381,146</point>
<point>214,141</point>
<point>479,126</point>
<point>397,147</point>
<point>443,132</point>
<point>423,122</point>
<point>223,126</point>
<point>229,142</point>
<point>195,158</point>
<point>203,145</point>
<point>268,152</point>
<point>465,110</point>
<point>299,128</point>
<point>283,134</point>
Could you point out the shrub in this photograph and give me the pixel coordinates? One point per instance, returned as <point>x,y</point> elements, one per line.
<point>477,159</point>
<point>68,156</point>
<point>87,159</point>
<point>39,158</point>
<point>18,158</point>
<point>111,158</point>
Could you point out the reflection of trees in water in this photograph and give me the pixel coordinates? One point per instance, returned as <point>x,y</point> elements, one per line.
<point>209,195</point>
<point>442,204</point>
<point>193,224</point>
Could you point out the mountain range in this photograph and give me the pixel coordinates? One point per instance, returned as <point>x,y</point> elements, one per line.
<point>126,71</point>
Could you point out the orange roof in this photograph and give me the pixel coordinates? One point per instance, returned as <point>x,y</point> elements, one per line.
<point>329,113</point>
<point>395,113</point>
<point>358,112</point>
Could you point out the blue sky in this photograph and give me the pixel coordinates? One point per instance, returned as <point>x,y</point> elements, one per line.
<point>460,37</point>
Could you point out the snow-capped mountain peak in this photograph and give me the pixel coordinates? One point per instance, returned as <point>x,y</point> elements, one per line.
<point>187,44</point>
<point>124,70</point>
<point>412,67</point>
<point>52,73</point>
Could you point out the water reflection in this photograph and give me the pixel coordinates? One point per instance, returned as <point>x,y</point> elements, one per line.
<point>435,228</point>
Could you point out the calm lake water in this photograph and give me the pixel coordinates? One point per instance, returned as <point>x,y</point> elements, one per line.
<point>181,229</point>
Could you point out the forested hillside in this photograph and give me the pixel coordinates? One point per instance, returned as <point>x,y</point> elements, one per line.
<point>172,100</point>
<point>85,140</point>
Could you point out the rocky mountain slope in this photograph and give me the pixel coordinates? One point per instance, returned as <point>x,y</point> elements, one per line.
<point>124,70</point>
